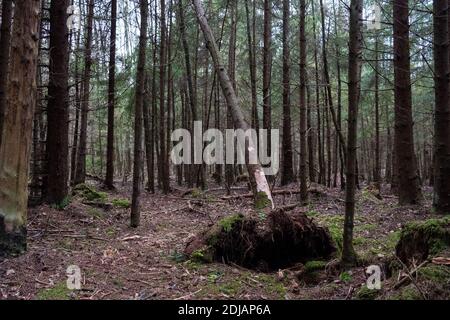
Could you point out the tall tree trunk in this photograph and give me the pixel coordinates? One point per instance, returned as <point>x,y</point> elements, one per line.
<point>354,81</point>
<point>287,173</point>
<point>377,171</point>
<point>441,198</point>
<point>229,168</point>
<point>109,179</point>
<point>138,107</point>
<point>73,156</point>
<point>57,149</point>
<point>18,121</point>
<point>252,67</point>
<point>5,39</point>
<point>262,193</point>
<point>80,175</point>
<point>303,145</point>
<point>267,72</point>
<point>327,78</point>
<point>408,181</point>
<point>317,98</point>
<point>164,165</point>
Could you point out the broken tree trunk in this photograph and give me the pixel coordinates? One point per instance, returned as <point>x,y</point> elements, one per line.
<point>261,189</point>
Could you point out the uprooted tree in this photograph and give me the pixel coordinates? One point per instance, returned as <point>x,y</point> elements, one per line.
<point>269,239</point>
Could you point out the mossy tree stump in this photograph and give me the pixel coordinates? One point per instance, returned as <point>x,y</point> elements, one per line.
<point>420,240</point>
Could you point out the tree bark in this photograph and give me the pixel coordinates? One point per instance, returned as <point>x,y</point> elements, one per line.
<point>267,71</point>
<point>287,173</point>
<point>138,107</point>
<point>109,179</point>
<point>164,165</point>
<point>408,181</point>
<point>303,143</point>
<point>5,39</point>
<point>354,80</point>
<point>441,198</point>
<point>80,174</point>
<point>57,148</point>
<point>16,146</point>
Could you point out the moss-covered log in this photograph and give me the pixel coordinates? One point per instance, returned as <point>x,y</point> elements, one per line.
<point>420,240</point>
<point>263,243</point>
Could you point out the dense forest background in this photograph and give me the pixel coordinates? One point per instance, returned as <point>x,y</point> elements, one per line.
<point>91,91</point>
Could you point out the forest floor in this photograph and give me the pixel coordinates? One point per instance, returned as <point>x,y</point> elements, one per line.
<point>118,262</point>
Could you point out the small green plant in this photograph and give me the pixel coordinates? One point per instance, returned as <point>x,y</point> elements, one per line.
<point>345,277</point>
<point>177,256</point>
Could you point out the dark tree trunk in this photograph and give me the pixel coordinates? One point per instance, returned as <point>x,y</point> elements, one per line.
<point>408,181</point>
<point>58,105</point>
<point>441,199</point>
<point>80,175</point>
<point>109,180</point>
<point>267,71</point>
<point>303,142</point>
<point>140,91</point>
<point>163,163</point>
<point>252,67</point>
<point>354,78</point>
<point>229,168</point>
<point>377,171</point>
<point>5,39</point>
<point>287,172</point>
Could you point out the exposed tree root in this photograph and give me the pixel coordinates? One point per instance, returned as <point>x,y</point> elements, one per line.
<point>263,243</point>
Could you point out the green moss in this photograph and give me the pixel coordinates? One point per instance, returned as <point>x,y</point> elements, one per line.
<point>434,231</point>
<point>58,292</point>
<point>273,285</point>
<point>334,223</point>
<point>196,193</point>
<point>95,213</point>
<point>312,213</point>
<point>262,201</point>
<point>89,193</point>
<point>231,288</point>
<point>436,273</point>
<point>227,223</point>
<point>365,227</point>
<point>312,266</point>
<point>367,294</point>
<point>121,203</point>
<point>408,293</point>
<point>359,241</point>
<point>111,231</point>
